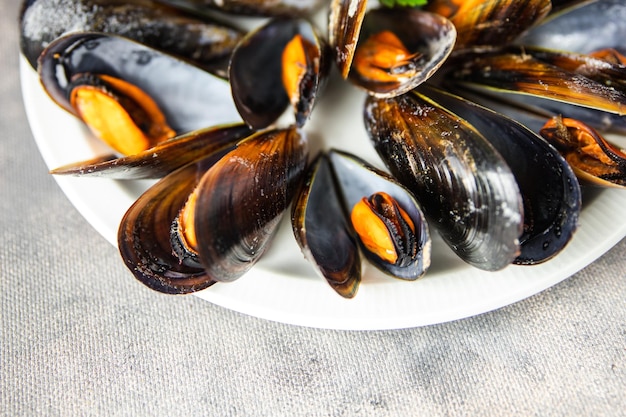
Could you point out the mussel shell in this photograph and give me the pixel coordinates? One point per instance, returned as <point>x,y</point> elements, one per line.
<point>583,27</point>
<point>550,190</point>
<point>323,232</point>
<point>603,71</point>
<point>285,8</point>
<point>488,24</point>
<point>189,97</point>
<point>464,186</point>
<point>357,179</point>
<point>144,234</point>
<point>320,220</point>
<point>241,199</point>
<point>164,158</point>
<point>255,72</point>
<point>526,77</point>
<point>344,26</point>
<point>431,37</point>
<point>168,29</point>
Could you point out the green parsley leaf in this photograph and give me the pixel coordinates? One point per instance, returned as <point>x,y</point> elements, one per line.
<point>403,3</point>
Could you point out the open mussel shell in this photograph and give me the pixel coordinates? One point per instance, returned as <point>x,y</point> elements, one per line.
<point>399,49</point>
<point>282,62</point>
<point>144,234</point>
<point>544,81</point>
<point>356,180</point>
<point>464,186</point>
<point>233,203</point>
<point>323,232</point>
<point>550,191</point>
<point>241,199</point>
<point>345,18</point>
<point>489,24</point>
<point>163,158</point>
<point>324,224</point>
<point>203,41</point>
<point>595,160</point>
<point>582,26</point>
<point>189,97</point>
<point>284,8</point>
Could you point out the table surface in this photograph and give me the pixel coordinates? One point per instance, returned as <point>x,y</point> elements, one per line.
<point>79,337</point>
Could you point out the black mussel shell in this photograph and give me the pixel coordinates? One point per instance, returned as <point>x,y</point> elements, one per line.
<point>241,199</point>
<point>260,64</point>
<point>164,158</point>
<point>581,26</point>
<point>250,7</point>
<point>550,190</point>
<point>356,179</point>
<point>144,234</point>
<point>344,26</point>
<point>465,187</point>
<point>544,82</point>
<point>236,202</point>
<point>202,41</point>
<point>321,222</point>
<point>399,49</point>
<point>485,25</point>
<point>323,232</point>
<point>189,97</point>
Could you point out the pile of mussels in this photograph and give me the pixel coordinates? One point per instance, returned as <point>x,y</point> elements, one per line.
<point>500,187</point>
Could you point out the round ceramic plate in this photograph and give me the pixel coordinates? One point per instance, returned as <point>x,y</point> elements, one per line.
<point>283,286</point>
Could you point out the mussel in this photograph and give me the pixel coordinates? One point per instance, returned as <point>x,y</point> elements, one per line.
<point>550,191</point>
<point>594,159</point>
<point>284,8</point>
<point>211,220</point>
<point>347,204</point>
<point>484,25</point>
<point>465,187</point>
<point>282,62</point>
<point>581,26</point>
<point>130,95</point>
<point>204,41</point>
<point>568,65</point>
<point>344,27</point>
<point>544,81</point>
<point>386,51</point>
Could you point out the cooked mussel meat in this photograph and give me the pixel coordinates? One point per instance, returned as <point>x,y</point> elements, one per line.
<point>119,113</point>
<point>463,184</point>
<point>347,204</point>
<point>595,160</point>
<point>203,41</point>
<point>385,229</point>
<point>282,62</point>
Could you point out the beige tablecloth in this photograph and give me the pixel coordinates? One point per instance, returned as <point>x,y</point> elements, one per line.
<point>80,337</point>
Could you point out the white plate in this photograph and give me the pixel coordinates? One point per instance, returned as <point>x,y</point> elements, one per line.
<point>282,286</point>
